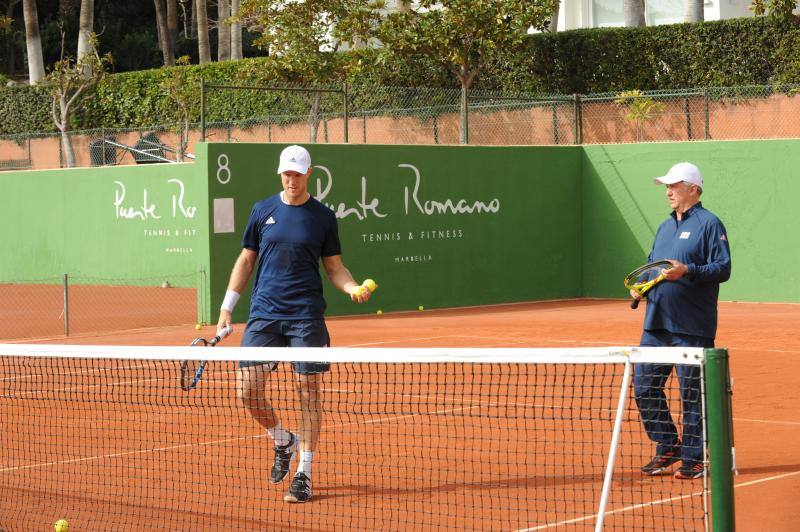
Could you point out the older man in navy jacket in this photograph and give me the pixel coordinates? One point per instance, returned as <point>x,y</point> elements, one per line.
<point>681,312</point>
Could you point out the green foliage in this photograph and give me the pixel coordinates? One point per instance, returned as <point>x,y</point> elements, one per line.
<point>24,109</point>
<point>781,9</point>
<point>758,51</point>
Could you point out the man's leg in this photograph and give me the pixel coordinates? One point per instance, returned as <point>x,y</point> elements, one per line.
<point>692,449</point>
<point>648,386</point>
<point>251,387</point>
<point>308,382</point>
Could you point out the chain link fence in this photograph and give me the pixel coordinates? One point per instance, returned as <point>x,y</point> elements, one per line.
<point>67,305</point>
<point>392,115</point>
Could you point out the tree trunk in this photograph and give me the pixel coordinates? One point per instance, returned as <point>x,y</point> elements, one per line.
<point>63,126</point>
<point>202,32</point>
<point>33,42</point>
<point>172,23</point>
<point>193,25</point>
<point>163,34</point>
<point>86,27</point>
<point>633,11</point>
<point>553,26</point>
<point>314,118</point>
<point>236,31</point>
<point>693,11</point>
<point>223,30</point>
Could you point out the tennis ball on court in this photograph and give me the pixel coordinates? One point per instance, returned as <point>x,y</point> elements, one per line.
<point>369,284</point>
<point>379,312</point>
<point>198,326</point>
<point>62,525</point>
<point>421,307</point>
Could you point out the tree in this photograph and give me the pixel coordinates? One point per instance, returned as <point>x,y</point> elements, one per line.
<point>164,41</point>
<point>553,26</point>
<point>69,88</point>
<point>781,9</point>
<point>223,30</point>
<point>181,88</point>
<point>172,23</point>
<point>633,12</point>
<point>236,31</point>
<point>463,34</point>
<point>85,29</point>
<point>33,42</point>
<point>693,11</point>
<point>641,108</point>
<point>203,45</point>
<point>303,38</point>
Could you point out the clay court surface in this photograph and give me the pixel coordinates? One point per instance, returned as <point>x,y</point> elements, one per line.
<point>349,490</point>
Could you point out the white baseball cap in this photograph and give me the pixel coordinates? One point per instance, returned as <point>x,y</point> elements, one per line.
<point>295,158</point>
<point>681,172</point>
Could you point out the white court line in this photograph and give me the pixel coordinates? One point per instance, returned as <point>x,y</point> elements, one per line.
<point>654,503</point>
<point>767,421</point>
<point>212,442</point>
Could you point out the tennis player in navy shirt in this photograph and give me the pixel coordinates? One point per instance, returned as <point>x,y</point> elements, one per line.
<point>681,311</point>
<point>286,236</point>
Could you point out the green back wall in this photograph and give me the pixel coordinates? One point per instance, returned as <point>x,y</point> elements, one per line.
<point>117,223</point>
<point>397,223</point>
<point>752,186</point>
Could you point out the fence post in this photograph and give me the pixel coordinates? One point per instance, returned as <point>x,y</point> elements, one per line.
<point>720,430</point>
<point>708,126</point>
<point>346,112</point>
<point>66,304</point>
<point>555,123</point>
<point>202,110</point>
<point>688,113</point>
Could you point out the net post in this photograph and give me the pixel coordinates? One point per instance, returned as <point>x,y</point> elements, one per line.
<point>66,304</point>
<point>720,428</point>
<point>612,452</point>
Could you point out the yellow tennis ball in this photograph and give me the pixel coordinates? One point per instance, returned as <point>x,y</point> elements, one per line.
<point>421,307</point>
<point>360,290</point>
<point>62,525</point>
<point>198,326</point>
<point>379,312</point>
<point>369,284</point>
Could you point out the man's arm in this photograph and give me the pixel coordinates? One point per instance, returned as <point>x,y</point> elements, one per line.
<point>717,268</point>
<point>242,270</point>
<point>342,279</point>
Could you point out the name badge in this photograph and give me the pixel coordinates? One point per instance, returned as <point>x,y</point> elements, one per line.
<point>685,235</point>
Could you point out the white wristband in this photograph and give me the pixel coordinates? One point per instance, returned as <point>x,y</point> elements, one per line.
<point>231,298</point>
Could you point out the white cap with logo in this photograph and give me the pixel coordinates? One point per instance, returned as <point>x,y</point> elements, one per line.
<point>294,158</point>
<point>681,172</point>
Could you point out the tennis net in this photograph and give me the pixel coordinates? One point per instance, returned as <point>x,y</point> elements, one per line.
<point>462,439</point>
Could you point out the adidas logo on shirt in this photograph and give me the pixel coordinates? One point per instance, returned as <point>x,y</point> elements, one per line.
<point>270,221</point>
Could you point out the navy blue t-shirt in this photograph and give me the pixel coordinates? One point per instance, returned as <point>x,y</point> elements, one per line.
<point>290,239</point>
<point>689,305</point>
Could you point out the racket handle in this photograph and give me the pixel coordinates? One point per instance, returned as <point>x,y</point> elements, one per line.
<point>222,333</point>
<point>635,303</point>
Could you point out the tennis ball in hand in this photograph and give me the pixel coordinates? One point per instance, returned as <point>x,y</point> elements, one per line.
<point>62,525</point>
<point>369,284</point>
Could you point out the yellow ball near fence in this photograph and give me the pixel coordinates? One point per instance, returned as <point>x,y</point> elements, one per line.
<point>198,326</point>
<point>379,312</point>
<point>62,525</point>
<point>421,307</point>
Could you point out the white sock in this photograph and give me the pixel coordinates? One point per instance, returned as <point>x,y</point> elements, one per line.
<point>305,462</point>
<point>281,436</point>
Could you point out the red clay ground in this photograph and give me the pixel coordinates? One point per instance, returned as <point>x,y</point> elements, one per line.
<point>765,359</point>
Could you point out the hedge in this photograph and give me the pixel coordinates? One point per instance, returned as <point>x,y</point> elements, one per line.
<point>747,51</point>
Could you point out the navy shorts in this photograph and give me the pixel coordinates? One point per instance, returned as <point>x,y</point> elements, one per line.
<point>287,333</point>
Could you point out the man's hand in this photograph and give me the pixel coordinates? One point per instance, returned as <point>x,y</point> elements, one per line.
<point>677,271</point>
<point>224,320</point>
<point>358,293</point>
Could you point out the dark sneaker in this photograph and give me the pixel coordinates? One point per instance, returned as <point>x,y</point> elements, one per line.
<point>660,463</point>
<point>300,490</point>
<point>283,458</point>
<point>690,470</point>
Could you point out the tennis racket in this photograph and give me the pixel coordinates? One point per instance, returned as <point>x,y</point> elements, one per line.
<point>643,279</point>
<point>192,370</point>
